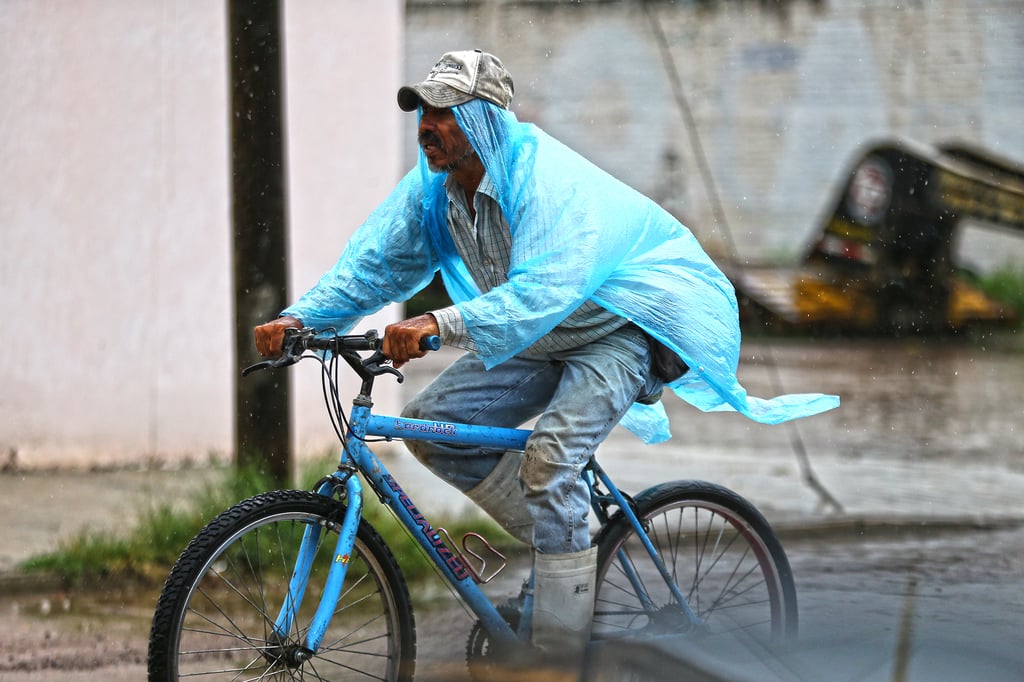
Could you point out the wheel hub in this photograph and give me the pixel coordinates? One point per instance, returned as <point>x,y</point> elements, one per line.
<point>289,654</point>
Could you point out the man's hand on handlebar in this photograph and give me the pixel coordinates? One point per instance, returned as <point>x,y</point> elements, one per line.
<point>270,335</point>
<point>402,339</point>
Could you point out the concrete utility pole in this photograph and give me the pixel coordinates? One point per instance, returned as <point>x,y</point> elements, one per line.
<point>259,210</point>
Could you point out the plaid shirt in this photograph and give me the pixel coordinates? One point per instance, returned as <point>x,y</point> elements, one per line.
<point>486,248</point>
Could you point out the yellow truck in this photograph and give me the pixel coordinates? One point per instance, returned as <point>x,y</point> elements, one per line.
<point>882,263</point>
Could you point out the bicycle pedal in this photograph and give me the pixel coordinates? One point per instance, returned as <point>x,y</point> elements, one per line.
<point>473,559</point>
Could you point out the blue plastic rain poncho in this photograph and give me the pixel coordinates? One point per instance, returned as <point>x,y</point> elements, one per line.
<point>577,234</point>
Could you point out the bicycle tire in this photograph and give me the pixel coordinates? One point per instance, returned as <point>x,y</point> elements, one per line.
<point>219,603</point>
<point>723,554</point>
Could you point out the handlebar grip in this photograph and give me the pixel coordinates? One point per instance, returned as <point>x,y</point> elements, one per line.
<point>431,342</point>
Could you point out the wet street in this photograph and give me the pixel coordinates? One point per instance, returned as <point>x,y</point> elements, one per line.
<point>954,599</point>
<point>917,574</point>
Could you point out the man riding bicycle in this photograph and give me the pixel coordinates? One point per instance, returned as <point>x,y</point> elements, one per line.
<point>576,300</point>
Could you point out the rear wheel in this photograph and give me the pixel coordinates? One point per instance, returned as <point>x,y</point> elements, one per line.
<point>721,552</point>
<point>215,617</point>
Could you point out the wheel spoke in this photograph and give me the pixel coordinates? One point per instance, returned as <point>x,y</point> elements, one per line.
<point>716,547</point>
<point>216,617</point>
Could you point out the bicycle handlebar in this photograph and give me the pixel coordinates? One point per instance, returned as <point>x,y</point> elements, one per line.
<point>431,342</point>
<point>298,341</point>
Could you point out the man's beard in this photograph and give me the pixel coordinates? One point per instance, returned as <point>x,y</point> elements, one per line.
<point>429,138</point>
<point>457,163</point>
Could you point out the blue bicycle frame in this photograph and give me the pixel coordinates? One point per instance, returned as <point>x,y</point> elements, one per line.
<point>358,457</point>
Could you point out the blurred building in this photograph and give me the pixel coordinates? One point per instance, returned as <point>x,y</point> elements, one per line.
<point>782,94</point>
<point>114,162</point>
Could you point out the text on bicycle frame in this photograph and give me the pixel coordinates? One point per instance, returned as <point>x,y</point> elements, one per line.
<point>453,562</point>
<point>437,428</point>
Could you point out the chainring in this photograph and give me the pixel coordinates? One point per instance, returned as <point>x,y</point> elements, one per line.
<point>480,658</point>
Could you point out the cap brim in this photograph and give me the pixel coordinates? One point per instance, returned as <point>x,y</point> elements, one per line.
<point>435,94</point>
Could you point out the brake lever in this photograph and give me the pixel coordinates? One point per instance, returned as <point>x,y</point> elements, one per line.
<point>289,356</point>
<point>375,366</point>
<point>257,367</point>
<point>283,361</point>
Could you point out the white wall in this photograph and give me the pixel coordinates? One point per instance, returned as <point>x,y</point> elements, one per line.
<point>344,64</point>
<point>114,211</point>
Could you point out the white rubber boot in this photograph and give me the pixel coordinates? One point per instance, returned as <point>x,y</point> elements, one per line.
<point>563,602</point>
<point>501,496</point>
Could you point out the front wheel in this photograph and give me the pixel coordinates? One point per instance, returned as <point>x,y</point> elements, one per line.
<point>215,617</point>
<point>721,552</point>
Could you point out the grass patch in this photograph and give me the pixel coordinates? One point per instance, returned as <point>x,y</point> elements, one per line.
<point>1006,285</point>
<point>144,552</point>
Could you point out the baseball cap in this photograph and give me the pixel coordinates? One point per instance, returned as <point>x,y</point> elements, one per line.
<point>458,77</point>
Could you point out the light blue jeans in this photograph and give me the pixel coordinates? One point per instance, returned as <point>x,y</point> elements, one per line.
<point>578,394</point>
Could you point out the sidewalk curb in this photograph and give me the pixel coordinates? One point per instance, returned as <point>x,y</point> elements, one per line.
<point>16,583</point>
<point>888,526</point>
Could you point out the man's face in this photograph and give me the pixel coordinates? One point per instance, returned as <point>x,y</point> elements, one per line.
<point>443,142</point>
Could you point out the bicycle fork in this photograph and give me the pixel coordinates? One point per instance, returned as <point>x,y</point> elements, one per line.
<point>335,575</point>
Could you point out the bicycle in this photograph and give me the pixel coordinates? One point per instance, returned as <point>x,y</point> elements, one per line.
<point>680,559</point>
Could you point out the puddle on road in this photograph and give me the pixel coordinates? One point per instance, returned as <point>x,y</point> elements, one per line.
<point>906,400</point>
